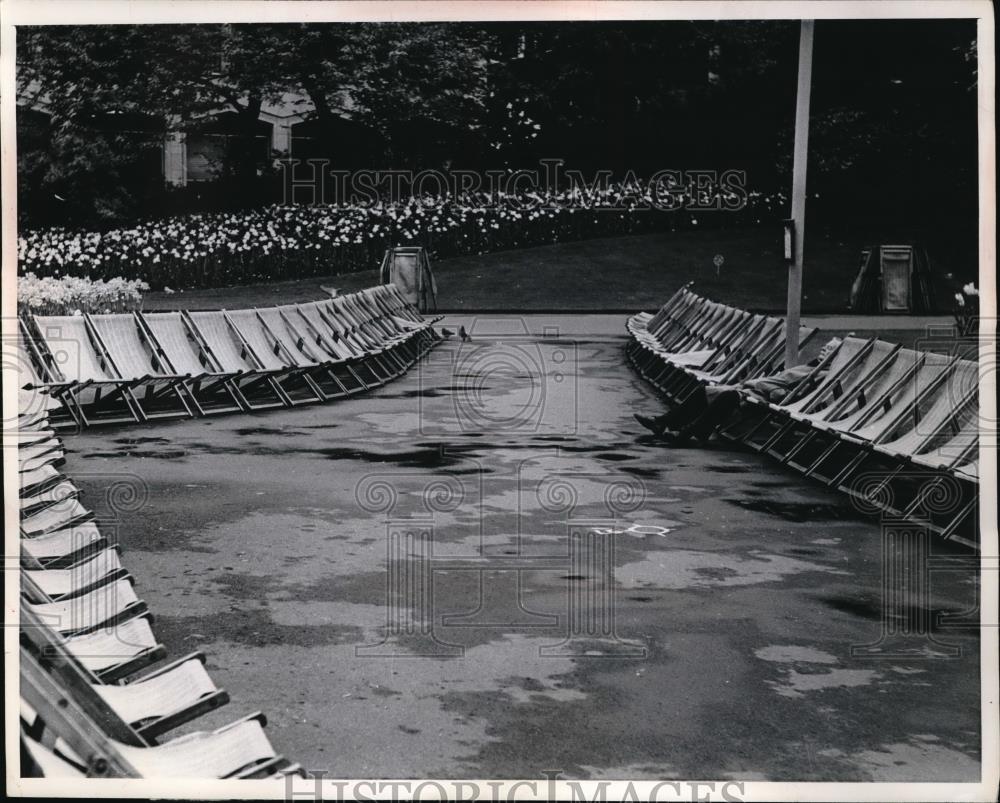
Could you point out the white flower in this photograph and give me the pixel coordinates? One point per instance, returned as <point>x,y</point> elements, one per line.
<point>960,299</point>
<point>970,289</point>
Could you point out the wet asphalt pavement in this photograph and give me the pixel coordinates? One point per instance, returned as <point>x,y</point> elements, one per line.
<point>486,570</point>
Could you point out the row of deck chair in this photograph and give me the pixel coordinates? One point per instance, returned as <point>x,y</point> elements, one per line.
<point>139,366</point>
<point>92,703</point>
<point>896,429</point>
<point>693,341</point>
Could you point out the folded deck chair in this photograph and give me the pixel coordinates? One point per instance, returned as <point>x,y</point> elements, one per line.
<point>81,729</point>
<point>146,707</point>
<point>106,605</point>
<point>333,374</point>
<point>66,513</point>
<point>272,355</point>
<point>82,577</point>
<point>212,389</point>
<point>66,546</point>
<point>260,386</point>
<point>163,393</point>
<point>118,651</point>
<point>71,351</point>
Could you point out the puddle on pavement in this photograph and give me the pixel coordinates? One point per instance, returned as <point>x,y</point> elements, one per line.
<point>792,511</point>
<point>159,454</point>
<point>246,431</point>
<point>790,653</point>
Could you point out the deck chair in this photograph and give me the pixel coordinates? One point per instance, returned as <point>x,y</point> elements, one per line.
<point>37,459</point>
<point>22,437</point>
<point>42,390</point>
<point>642,322</point>
<point>150,705</point>
<point>834,446</point>
<point>411,339</point>
<point>36,480</point>
<point>946,435</point>
<point>238,750</point>
<point>60,515</point>
<point>367,322</point>
<point>271,354</point>
<point>106,605</point>
<point>651,349</point>
<point>335,376</point>
<point>39,500</point>
<point>38,761</point>
<point>323,335</point>
<point>825,383</point>
<point>100,393</point>
<point>118,651</point>
<point>80,578</point>
<point>210,388</point>
<point>164,394</point>
<point>345,317</point>
<point>260,386</point>
<point>889,366</point>
<point>65,547</point>
<point>406,309</point>
<point>378,302</point>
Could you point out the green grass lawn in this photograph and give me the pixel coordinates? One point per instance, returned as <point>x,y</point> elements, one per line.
<point>620,274</point>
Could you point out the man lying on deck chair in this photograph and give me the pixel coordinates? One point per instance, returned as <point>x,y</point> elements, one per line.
<point>710,406</point>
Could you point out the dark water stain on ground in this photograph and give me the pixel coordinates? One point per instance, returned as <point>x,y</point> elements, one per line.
<point>615,456</point>
<point>246,431</point>
<point>639,471</point>
<point>727,469</point>
<point>137,441</point>
<point>158,454</point>
<point>794,511</point>
<point>865,607</point>
<point>935,619</point>
<point>253,628</point>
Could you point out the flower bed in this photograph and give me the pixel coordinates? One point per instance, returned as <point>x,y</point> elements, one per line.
<point>279,242</point>
<point>72,295</point>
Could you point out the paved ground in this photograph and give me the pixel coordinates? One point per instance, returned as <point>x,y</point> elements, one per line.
<point>592,601</point>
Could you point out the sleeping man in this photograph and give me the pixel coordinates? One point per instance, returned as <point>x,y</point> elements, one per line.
<point>711,406</point>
